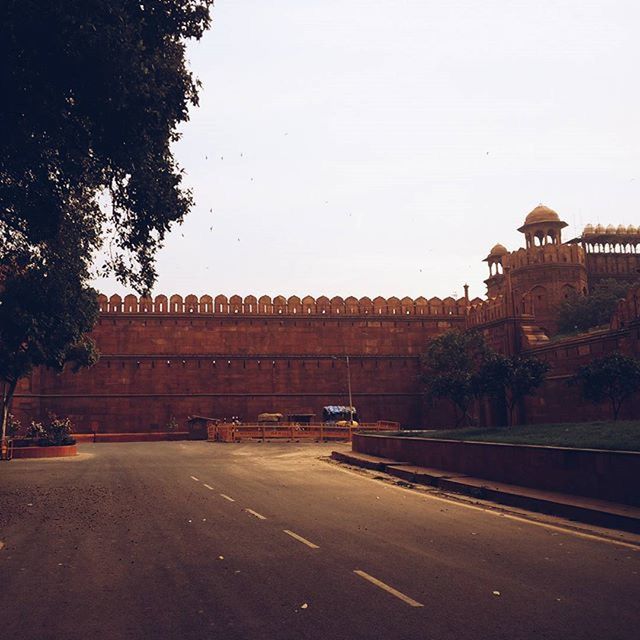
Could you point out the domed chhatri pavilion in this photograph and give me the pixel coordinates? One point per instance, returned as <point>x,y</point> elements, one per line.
<point>542,226</point>
<point>547,270</point>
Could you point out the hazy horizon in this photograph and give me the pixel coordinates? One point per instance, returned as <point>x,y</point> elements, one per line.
<point>368,148</point>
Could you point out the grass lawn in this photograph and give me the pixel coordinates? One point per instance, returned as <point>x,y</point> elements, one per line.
<point>621,435</point>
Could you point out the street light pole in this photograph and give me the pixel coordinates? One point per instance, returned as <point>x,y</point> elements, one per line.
<point>349,385</point>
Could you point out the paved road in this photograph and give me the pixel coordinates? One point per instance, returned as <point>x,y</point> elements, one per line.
<point>188,540</point>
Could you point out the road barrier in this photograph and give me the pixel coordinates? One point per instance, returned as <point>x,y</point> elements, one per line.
<point>152,436</point>
<point>292,432</point>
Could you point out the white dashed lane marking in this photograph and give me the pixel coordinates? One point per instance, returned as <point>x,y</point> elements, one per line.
<point>194,478</point>
<point>256,514</point>
<point>301,539</point>
<point>208,487</point>
<point>226,497</point>
<point>394,592</point>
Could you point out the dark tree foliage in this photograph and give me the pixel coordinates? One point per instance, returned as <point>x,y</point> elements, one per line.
<point>510,378</point>
<point>613,378</point>
<point>450,369</point>
<point>46,308</point>
<point>579,313</point>
<point>92,94</point>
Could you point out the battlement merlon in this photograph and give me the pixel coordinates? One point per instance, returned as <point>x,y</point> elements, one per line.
<point>563,254</point>
<point>236,305</point>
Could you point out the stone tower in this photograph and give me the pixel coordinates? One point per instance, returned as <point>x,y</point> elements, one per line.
<point>495,281</point>
<point>546,271</point>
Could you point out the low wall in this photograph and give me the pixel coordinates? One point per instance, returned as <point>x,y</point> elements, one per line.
<point>45,452</point>
<point>162,436</point>
<point>605,475</point>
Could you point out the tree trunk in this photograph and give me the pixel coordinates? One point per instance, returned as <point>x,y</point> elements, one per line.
<point>456,420</point>
<point>8,389</point>
<point>616,408</point>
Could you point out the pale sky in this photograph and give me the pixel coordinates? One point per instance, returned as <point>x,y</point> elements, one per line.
<point>382,148</point>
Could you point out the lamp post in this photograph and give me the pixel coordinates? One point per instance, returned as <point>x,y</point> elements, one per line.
<point>350,399</point>
<point>348,387</point>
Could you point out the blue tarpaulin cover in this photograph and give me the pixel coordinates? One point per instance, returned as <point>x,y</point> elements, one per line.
<point>338,410</point>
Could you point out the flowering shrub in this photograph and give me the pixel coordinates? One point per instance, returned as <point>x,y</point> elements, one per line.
<point>54,432</point>
<point>13,426</point>
<point>58,431</point>
<point>35,430</point>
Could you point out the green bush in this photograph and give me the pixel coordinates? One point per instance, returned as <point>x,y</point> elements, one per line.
<point>613,378</point>
<point>579,313</point>
<point>36,430</point>
<point>57,432</point>
<point>13,426</point>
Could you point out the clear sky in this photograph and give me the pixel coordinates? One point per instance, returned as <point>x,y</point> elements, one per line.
<point>350,147</point>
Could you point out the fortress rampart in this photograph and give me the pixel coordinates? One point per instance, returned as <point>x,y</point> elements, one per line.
<point>169,357</point>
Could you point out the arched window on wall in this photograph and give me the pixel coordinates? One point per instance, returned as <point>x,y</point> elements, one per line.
<point>568,291</point>
<point>540,300</point>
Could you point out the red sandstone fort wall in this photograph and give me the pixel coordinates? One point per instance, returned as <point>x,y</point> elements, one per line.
<point>122,395</point>
<point>157,364</point>
<point>603,266</point>
<point>244,335</point>
<point>558,401</point>
<point>174,357</point>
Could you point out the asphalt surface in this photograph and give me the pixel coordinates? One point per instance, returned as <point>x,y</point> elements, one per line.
<point>189,540</point>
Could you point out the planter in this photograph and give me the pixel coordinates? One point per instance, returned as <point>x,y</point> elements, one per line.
<point>64,451</point>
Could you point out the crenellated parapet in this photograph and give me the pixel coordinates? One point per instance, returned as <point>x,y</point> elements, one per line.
<point>563,254</point>
<point>222,305</point>
<point>485,311</point>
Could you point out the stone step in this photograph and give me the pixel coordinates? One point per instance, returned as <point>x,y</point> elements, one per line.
<point>420,475</point>
<point>364,460</point>
<point>590,510</point>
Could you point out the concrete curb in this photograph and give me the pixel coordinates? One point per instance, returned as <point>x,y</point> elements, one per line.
<point>586,510</point>
<point>363,460</point>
